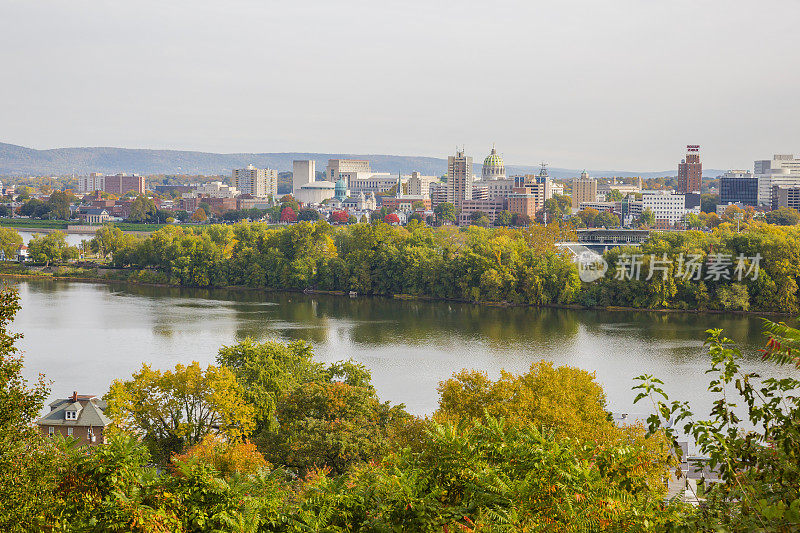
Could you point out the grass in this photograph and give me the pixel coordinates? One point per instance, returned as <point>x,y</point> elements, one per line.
<point>133,226</point>
<point>33,223</point>
<point>62,224</point>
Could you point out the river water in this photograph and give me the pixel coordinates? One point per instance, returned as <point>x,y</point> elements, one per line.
<point>84,335</point>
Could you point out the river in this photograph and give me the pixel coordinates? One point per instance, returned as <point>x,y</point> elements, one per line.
<point>84,335</point>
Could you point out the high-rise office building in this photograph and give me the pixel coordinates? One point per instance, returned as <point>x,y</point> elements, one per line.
<point>258,182</point>
<point>349,169</point>
<point>690,171</point>
<point>303,173</point>
<point>459,178</point>
<point>782,170</point>
<point>583,190</point>
<point>738,186</point>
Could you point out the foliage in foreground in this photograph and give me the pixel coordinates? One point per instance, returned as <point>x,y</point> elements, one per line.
<point>759,468</point>
<point>523,453</point>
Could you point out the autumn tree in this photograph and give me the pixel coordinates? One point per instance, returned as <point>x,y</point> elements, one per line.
<point>334,422</point>
<point>199,215</point>
<point>27,475</point>
<point>391,218</point>
<point>339,217</point>
<point>175,409</point>
<point>288,215</point>
<point>10,242</point>
<point>562,399</point>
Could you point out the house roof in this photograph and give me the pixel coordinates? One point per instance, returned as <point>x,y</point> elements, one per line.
<point>90,412</point>
<point>96,211</point>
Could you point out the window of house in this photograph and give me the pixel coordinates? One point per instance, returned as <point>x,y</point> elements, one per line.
<point>69,432</point>
<point>51,431</point>
<point>71,415</point>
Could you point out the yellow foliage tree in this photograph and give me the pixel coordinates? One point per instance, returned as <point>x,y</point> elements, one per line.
<point>565,400</point>
<point>199,215</point>
<point>174,409</point>
<point>227,458</point>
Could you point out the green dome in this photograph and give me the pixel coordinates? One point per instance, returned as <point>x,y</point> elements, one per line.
<point>494,160</point>
<point>340,189</point>
<point>493,166</point>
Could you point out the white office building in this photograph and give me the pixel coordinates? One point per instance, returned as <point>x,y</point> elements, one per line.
<point>93,182</point>
<point>303,172</point>
<point>459,178</point>
<point>419,185</point>
<point>668,208</point>
<point>348,169</point>
<point>258,182</point>
<point>214,189</point>
<point>782,170</point>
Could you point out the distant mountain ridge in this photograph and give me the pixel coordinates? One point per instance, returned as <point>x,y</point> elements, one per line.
<point>21,161</point>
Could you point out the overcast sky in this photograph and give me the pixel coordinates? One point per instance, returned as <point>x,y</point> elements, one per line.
<point>608,84</point>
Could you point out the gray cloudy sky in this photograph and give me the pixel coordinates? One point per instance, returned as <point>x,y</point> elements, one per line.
<point>614,84</point>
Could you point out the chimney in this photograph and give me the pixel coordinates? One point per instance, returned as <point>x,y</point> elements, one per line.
<point>74,396</point>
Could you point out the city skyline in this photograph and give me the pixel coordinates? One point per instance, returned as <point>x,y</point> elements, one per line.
<point>578,84</point>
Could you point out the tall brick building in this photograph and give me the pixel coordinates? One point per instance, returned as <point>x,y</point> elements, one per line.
<point>690,171</point>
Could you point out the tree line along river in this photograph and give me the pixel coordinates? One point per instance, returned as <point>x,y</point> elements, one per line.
<point>84,335</point>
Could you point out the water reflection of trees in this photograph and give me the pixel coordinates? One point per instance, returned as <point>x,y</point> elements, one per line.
<point>378,321</point>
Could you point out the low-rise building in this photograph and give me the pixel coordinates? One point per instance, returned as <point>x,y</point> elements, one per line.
<point>81,416</point>
<point>95,215</point>
<point>315,192</point>
<point>405,202</point>
<point>490,208</point>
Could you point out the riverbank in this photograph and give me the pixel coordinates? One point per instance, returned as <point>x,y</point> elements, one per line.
<point>49,226</point>
<point>160,279</point>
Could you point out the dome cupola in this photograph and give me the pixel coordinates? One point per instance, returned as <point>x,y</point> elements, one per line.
<point>493,166</point>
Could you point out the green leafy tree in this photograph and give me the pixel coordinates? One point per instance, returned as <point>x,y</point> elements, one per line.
<point>759,467</point>
<point>445,212</point>
<point>606,219</point>
<point>107,240</point>
<point>503,219</point>
<point>27,474</point>
<point>143,209</point>
<point>783,216</point>
<point>51,247</point>
<point>58,205</point>
<point>267,371</point>
<point>311,215</point>
<point>10,242</point>
<point>648,218</point>
<point>34,208</point>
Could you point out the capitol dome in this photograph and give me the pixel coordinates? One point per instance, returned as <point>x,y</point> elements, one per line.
<point>340,189</point>
<point>493,167</point>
